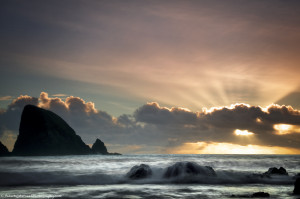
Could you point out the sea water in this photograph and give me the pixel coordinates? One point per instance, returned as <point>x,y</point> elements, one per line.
<point>102,176</point>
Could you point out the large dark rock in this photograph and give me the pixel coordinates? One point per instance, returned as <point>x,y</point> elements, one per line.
<point>297,186</point>
<point>3,150</point>
<point>42,132</point>
<point>188,168</point>
<point>275,171</point>
<point>139,172</point>
<point>99,147</point>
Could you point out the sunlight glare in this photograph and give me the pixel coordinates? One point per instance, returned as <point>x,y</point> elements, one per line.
<point>229,148</point>
<point>258,120</point>
<point>242,132</point>
<point>283,129</point>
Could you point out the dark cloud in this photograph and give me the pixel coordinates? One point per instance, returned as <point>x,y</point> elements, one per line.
<point>10,118</point>
<point>21,101</point>
<point>153,113</point>
<point>152,126</point>
<point>282,114</point>
<point>236,116</point>
<point>54,104</point>
<point>219,124</point>
<point>81,115</point>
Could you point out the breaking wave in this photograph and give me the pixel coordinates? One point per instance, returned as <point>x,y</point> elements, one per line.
<point>178,173</point>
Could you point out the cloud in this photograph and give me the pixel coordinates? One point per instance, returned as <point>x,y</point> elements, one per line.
<point>72,105</point>
<point>5,98</point>
<point>219,124</point>
<point>159,129</point>
<point>59,95</point>
<point>10,118</point>
<point>153,113</point>
<point>78,113</point>
<point>81,115</point>
<point>21,101</point>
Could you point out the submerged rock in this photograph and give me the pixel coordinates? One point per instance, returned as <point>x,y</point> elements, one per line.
<point>254,195</point>
<point>99,147</point>
<point>139,172</point>
<point>260,195</point>
<point>3,150</point>
<point>188,168</point>
<point>296,176</point>
<point>275,171</point>
<point>42,132</point>
<point>114,153</point>
<point>297,186</point>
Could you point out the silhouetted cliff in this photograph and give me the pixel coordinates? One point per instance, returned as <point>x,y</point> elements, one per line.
<point>42,132</point>
<point>99,147</point>
<point>3,150</point>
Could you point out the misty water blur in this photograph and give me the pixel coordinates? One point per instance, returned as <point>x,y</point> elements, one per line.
<point>100,176</point>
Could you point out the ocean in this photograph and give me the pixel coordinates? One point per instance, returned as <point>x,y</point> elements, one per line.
<point>101,176</point>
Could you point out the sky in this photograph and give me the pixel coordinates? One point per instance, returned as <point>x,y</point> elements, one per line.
<point>156,76</point>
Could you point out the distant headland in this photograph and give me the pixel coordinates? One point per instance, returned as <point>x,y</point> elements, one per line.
<point>43,133</point>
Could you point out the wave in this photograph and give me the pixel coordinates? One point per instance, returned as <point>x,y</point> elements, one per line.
<point>179,173</point>
<point>55,178</point>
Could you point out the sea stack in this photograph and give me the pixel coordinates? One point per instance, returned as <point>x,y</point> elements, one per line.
<point>99,148</point>
<point>42,132</point>
<point>275,171</point>
<point>3,150</point>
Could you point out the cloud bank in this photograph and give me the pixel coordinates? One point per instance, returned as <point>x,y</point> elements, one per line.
<point>155,129</point>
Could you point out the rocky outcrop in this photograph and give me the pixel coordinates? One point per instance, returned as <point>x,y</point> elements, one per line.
<point>3,150</point>
<point>99,148</point>
<point>139,172</point>
<point>297,186</point>
<point>275,171</point>
<point>42,132</point>
<point>188,168</point>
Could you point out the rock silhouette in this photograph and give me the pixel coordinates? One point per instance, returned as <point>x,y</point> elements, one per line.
<point>139,172</point>
<point>3,150</point>
<point>42,132</point>
<point>260,195</point>
<point>188,168</point>
<point>99,147</point>
<point>275,171</point>
<point>297,186</point>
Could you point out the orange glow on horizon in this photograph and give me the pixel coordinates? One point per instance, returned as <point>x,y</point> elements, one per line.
<point>228,148</point>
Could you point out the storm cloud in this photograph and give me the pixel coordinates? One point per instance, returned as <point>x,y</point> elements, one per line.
<point>153,128</point>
